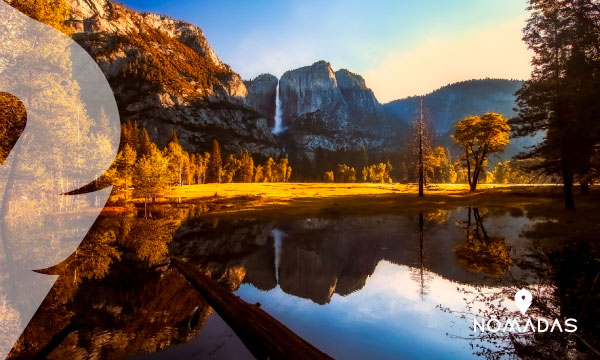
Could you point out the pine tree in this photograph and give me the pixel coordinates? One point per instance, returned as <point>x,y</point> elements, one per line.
<point>215,167</point>
<point>246,171</point>
<point>144,144</point>
<point>560,99</point>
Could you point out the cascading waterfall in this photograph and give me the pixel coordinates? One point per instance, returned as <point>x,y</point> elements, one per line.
<point>278,128</point>
<point>277,236</point>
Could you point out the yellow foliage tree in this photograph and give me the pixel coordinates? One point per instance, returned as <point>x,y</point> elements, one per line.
<point>480,136</point>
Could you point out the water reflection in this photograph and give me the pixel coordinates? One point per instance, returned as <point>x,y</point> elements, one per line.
<point>385,286</point>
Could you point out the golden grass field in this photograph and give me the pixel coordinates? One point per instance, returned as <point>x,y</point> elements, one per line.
<point>329,190</point>
<point>333,199</point>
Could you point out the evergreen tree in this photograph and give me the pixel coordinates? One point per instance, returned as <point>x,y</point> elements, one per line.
<point>246,171</point>
<point>215,167</point>
<point>144,144</point>
<point>560,99</point>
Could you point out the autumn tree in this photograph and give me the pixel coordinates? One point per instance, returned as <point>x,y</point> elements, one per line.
<point>50,12</point>
<point>480,136</point>
<point>328,177</point>
<point>378,173</point>
<point>176,157</point>
<point>13,118</point>
<point>202,162</point>
<point>345,173</point>
<point>283,170</point>
<point>269,170</point>
<point>151,176</point>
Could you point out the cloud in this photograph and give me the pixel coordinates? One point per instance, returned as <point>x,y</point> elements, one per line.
<point>496,52</point>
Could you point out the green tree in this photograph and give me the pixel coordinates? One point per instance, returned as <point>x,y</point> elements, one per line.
<point>560,99</point>
<point>480,136</point>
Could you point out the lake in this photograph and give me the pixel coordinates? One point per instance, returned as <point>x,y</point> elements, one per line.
<point>387,286</point>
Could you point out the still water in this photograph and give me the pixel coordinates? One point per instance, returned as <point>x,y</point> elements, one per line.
<point>388,286</point>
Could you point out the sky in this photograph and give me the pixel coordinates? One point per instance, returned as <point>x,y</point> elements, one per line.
<point>400,47</point>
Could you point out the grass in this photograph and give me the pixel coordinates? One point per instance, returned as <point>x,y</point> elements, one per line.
<point>289,191</point>
<point>277,200</point>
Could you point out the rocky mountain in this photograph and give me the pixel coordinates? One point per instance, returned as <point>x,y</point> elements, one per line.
<point>328,110</point>
<point>445,106</point>
<point>262,95</point>
<point>165,75</point>
<point>451,103</point>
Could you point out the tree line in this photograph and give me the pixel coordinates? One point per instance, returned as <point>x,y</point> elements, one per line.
<point>150,170</point>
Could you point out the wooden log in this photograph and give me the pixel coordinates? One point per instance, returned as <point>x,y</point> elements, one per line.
<point>263,335</point>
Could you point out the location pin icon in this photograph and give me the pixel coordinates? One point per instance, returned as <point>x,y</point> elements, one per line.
<point>523,300</point>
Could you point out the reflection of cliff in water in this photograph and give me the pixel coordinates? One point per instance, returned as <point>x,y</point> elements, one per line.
<point>321,257</point>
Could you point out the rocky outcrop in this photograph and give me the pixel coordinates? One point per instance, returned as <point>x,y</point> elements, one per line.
<point>360,100</point>
<point>328,110</point>
<point>447,105</point>
<point>165,75</point>
<point>262,94</point>
<point>310,89</point>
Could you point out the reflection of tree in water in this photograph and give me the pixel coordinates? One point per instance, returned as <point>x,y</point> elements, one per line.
<point>481,252</point>
<point>566,285</point>
<point>419,272</point>
<point>114,297</point>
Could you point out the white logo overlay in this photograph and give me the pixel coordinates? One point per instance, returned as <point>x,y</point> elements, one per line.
<point>523,300</point>
<point>69,139</point>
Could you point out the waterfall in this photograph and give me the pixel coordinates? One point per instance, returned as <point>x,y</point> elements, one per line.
<point>278,128</point>
<point>277,236</point>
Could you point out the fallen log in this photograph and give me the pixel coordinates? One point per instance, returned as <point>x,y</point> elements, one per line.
<point>264,336</point>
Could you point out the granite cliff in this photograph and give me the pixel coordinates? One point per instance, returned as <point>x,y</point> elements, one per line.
<point>165,75</point>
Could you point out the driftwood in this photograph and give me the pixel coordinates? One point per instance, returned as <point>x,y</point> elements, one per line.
<point>263,335</point>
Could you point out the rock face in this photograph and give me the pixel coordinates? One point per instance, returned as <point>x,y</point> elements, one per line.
<point>328,110</point>
<point>360,100</point>
<point>451,103</point>
<point>310,89</point>
<point>165,75</point>
<point>262,95</point>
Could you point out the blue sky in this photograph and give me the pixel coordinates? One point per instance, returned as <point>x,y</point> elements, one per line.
<point>401,47</point>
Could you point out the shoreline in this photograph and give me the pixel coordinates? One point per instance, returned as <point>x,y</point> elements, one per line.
<point>284,200</point>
